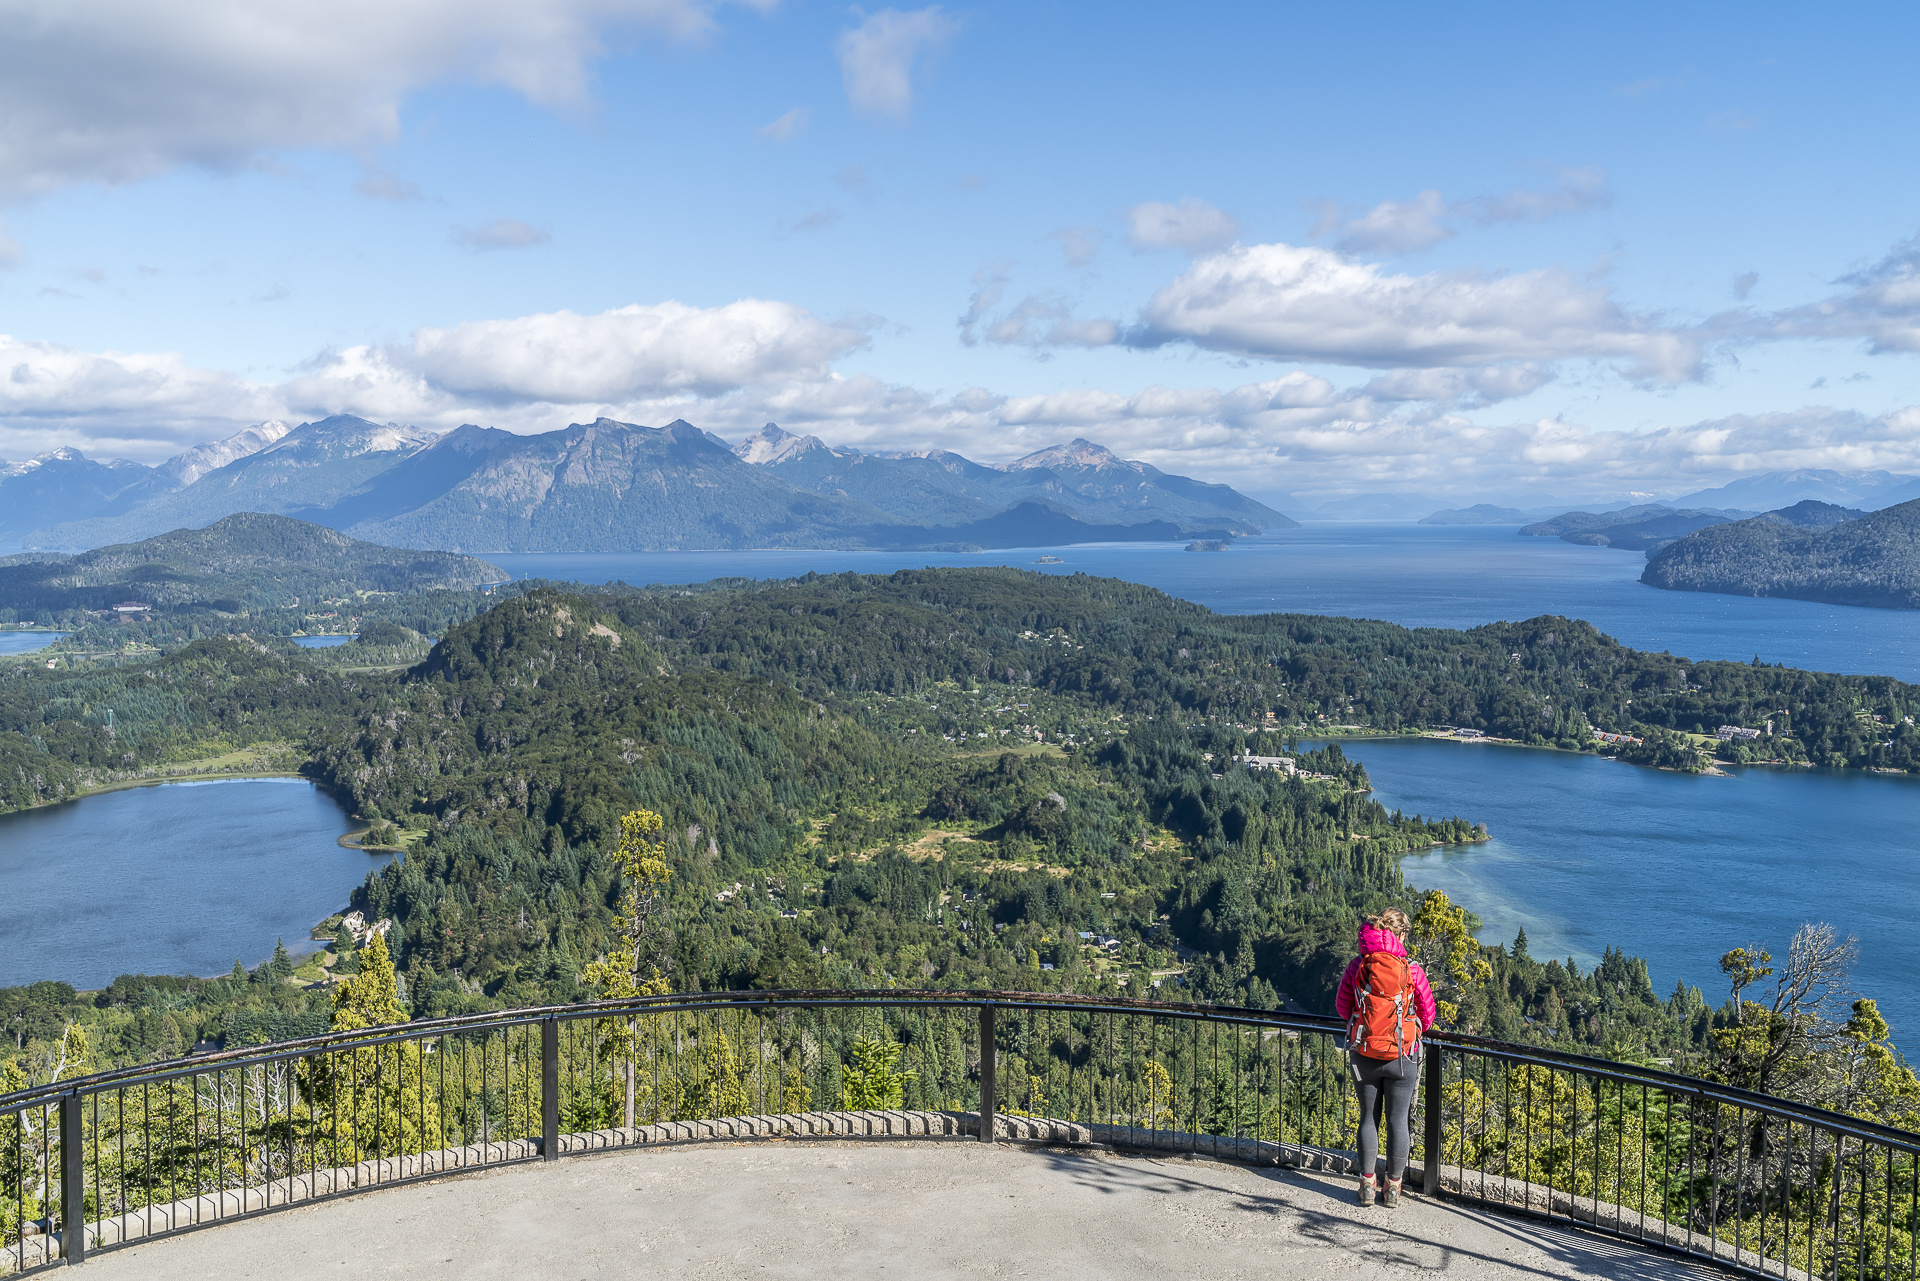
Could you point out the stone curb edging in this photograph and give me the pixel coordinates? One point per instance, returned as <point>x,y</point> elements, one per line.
<point>1470,1186</point>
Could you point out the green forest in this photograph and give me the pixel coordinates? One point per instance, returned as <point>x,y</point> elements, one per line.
<point>942,778</point>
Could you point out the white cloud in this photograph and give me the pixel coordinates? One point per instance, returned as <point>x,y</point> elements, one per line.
<point>501,233</point>
<point>877,57</point>
<point>1575,190</point>
<point>115,91</point>
<point>1881,304</point>
<point>1462,388</point>
<point>1043,323</point>
<point>1408,226</point>
<point>1392,226</point>
<point>1038,321</point>
<point>565,359</point>
<point>46,380</point>
<point>1192,225</point>
<point>1286,302</point>
<point>786,128</point>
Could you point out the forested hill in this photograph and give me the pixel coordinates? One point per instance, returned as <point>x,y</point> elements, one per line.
<point>1874,560</point>
<point>1129,648</point>
<point>898,830</point>
<point>244,561</point>
<point>939,777</point>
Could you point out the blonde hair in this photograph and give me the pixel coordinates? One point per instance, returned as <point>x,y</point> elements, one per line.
<point>1393,919</point>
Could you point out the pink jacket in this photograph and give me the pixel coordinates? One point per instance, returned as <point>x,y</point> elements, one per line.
<point>1375,939</point>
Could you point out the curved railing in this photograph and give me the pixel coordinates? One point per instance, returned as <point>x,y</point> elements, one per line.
<point>1762,1185</point>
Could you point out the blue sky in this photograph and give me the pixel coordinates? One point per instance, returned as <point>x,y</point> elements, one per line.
<point>1512,252</point>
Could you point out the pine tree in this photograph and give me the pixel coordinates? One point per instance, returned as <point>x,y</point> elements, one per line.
<point>372,1100</point>
<point>717,1091</point>
<point>634,965</point>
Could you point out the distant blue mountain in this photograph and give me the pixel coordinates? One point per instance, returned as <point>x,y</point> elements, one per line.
<point>1770,491</point>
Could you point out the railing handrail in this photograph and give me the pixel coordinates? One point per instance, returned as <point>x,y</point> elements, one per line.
<point>807,998</point>
<point>329,1042</point>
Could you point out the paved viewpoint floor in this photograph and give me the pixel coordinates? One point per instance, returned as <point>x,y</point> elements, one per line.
<point>892,1209</point>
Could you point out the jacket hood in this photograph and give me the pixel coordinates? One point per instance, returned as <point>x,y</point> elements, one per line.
<point>1375,939</point>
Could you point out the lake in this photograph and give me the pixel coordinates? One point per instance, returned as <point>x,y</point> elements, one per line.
<point>180,878</point>
<point>1678,868</point>
<point>28,642</point>
<point>320,642</point>
<point>1416,575</point>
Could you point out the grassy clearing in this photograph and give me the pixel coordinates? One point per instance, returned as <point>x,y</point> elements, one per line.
<point>256,760</point>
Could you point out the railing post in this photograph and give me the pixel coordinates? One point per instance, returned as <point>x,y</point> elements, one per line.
<point>73,1180</point>
<point>550,1089</point>
<point>986,1073</point>
<point>1430,1170</point>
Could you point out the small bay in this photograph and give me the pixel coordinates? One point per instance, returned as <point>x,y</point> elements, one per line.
<point>178,878</point>
<point>28,642</point>
<point>1588,853</point>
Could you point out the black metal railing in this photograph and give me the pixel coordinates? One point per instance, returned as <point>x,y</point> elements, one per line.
<point>1762,1185</point>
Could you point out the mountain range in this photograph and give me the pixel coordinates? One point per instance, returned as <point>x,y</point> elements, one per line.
<point>1771,491</point>
<point>1082,479</point>
<point>611,486</point>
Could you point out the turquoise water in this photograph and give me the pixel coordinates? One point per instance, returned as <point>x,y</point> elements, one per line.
<point>182,878</point>
<point>1417,575</point>
<point>320,642</point>
<point>1678,868</point>
<point>27,642</point>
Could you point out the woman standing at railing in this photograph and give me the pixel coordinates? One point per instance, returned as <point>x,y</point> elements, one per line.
<point>1388,1004</point>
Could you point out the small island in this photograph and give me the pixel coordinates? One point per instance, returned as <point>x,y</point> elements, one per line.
<point>1049,560</point>
<point>1208,545</point>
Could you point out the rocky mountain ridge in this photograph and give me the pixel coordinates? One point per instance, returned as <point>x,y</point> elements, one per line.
<point>609,486</point>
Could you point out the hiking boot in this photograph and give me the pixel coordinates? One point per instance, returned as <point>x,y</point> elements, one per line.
<point>1366,1190</point>
<point>1390,1193</point>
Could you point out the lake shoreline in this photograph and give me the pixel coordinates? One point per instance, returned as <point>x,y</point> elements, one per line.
<point>1719,769</point>
<point>176,876</point>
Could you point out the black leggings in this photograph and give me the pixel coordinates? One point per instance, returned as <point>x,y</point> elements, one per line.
<point>1386,1087</point>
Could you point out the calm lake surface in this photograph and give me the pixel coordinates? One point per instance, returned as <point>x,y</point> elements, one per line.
<point>27,642</point>
<point>182,878</point>
<point>320,642</point>
<point>1416,575</point>
<point>1678,868</point>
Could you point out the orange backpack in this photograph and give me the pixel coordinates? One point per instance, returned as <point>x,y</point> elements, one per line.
<point>1385,1024</point>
